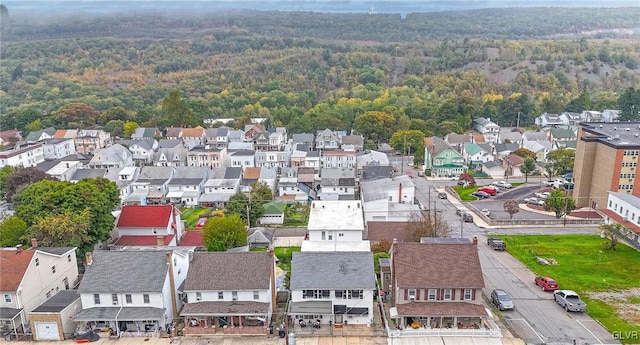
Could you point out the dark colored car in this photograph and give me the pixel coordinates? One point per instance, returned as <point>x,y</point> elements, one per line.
<point>467,218</point>
<point>546,283</point>
<point>496,243</point>
<point>480,194</point>
<point>442,195</point>
<point>501,299</point>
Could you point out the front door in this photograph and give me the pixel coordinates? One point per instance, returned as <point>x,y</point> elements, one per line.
<point>339,319</point>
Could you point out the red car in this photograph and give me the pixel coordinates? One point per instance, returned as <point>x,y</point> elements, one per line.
<point>201,222</point>
<point>546,283</point>
<point>489,190</point>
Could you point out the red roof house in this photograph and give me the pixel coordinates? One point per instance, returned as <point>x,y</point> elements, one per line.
<point>141,225</point>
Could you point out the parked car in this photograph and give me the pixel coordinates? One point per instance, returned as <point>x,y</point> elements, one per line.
<point>420,173</point>
<point>534,201</point>
<point>461,183</point>
<point>459,212</point>
<point>496,243</point>
<point>480,194</point>
<point>442,195</point>
<point>546,283</point>
<point>548,183</point>
<point>467,218</point>
<point>201,222</point>
<point>502,300</point>
<point>488,189</point>
<point>486,212</point>
<point>454,178</point>
<point>502,184</point>
<point>543,195</point>
<point>569,300</point>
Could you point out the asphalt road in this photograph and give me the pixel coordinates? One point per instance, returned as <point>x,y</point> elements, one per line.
<point>537,319</point>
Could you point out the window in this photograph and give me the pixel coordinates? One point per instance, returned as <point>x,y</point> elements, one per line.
<point>127,298</point>
<point>341,294</point>
<point>432,295</point>
<point>114,298</point>
<point>37,262</point>
<point>387,276</point>
<point>330,235</point>
<point>145,298</point>
<point>48,294</point>
<point>96,298</point>
<point>65,282</point>
<point>467,294</point>
<point>53,269</point>
<point>412,294</point>
<point>355,294</point>
<point>323,236</point>
<point>69,258</point>
<point>175,261</point>
<point>198,296</point>
<point>7,298</point>
<point>234,295</point>
<point>256,295</point>
<point>447,294</point>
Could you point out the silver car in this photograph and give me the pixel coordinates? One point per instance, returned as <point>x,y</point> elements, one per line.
<point>501,299</point>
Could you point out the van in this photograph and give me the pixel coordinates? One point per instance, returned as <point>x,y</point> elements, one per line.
<point>467,218</point>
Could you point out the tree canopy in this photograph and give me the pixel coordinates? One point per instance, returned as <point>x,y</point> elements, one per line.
<point>222,233</point>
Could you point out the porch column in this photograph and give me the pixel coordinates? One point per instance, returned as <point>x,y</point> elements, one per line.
<point>455,321</point>
<point>240,320</point>
<point>233,324</point>
<point>206,322</point>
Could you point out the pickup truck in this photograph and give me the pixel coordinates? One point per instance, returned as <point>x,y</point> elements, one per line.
<point>569,300</point>
<point>496,243</point>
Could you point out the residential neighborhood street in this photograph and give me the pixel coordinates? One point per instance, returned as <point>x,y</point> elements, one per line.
<point>537,319</point>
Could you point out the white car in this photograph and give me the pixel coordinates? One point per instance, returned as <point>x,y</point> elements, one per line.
<point>534,201</point>
<point>543,195</point>
<point>486,212</point>
<point>502,184</point>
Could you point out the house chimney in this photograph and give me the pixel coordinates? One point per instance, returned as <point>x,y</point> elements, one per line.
<point>475,240</point>
<point>160,240</point>
<point>34,243</point>
<point>89,258</point>
<point>18,248</point>
<point>400,193</point>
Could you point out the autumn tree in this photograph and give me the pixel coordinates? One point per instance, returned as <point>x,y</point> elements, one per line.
<point>375,125</point>
<point>13,231</point>
<point>471,181</point>
<point>524,153</point>
<point>562,159</point>
<point>559,203</point>
<point>612,233</point>
<point>75,115</point>
<point>115,113</point>
<point>67,228</point>
<point>407,141</point>
<point>528,167</point>
<point>222,233</point>
<point>426,224</point>
<point>381,246</point>
<point>23,177</point>
<point>511,207</point>
<point>128,129</point>
<point>376,260</point>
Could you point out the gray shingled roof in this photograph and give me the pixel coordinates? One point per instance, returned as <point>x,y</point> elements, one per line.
<point>122,271</point>
<point>214,271</point>
<point>332,270</point>
<point>58,302</point>
<point>56,250</point>
<point>81,174</point>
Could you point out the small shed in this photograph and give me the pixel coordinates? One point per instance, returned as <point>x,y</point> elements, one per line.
<point>54,319</point>
<point>260,237</point>
<point>273,213</point>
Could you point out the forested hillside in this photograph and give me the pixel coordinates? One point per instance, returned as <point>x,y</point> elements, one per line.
<point>433,72</point>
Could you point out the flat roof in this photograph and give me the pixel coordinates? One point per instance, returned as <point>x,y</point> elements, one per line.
<point>614,134</point>
<point>334,215</point>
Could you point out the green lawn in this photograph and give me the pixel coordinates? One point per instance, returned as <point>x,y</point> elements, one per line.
<point>191,215</point>
<point>465,192</point>
<point>585,266</point>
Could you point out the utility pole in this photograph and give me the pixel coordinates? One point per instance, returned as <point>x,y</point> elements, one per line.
<point>518,122</point>
<point>248,212</point>
<point>404,149</point>
<point>462,225</point>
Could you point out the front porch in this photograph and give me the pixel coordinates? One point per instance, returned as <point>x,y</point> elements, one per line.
<point>11,321</point>
<point>239,317</point>
<point>122,321</point>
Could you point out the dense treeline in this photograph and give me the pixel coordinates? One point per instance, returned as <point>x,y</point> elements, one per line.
<point>239,68</point>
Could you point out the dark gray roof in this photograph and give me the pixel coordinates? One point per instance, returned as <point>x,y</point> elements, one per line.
<point>145,143</point>
<point>216,271</point>
<point>155,173</point>
<point>122,271</point>
<point>169,143</point>
<point>507,147</point>
<point>374,172</point>
<point>384,261</point>
<point>58,302</point>
<point>56,250</point>
<point>332,270</point>
<point>8,313</point>
<point>244,153</point>
<point>124,313</point>
<point>88,173</point>
<point>260,235</point>
<point>47,165</point>
<point>225,308</point>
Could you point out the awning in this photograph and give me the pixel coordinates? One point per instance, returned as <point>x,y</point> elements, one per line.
<point>9,313</point>
<point>155,195</point>
<point>460,309</point>
<point>135,197</point>
<point>215,197</point>
<point>120,314</point>
<point>190,194</point>
<point>223,308</point>
<point>343,309</point>
<point>311,308</point>
<point>175,194</point>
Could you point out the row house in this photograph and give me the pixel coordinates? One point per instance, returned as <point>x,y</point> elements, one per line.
<point>476,154</point>
<point>57,148</point>
<point>142,150</point>
<point>10,137</point>
<point>151,186</point>
<point>273,159</point>
<point>457,141</point>
<point>221,185</point>
<point>229,293</point>
<point>89,140</point>
<point>371,158</point>
<point>337,184</point>
<point>132,293</point>
<point>443,296</point>
<point>27,156</point>
<point>171,153</point>
<point>335,226</point>
<point>352,143</point>
<point>487,128</point>
<point>303,139</point>
<point>338,159</point>
<point>145,132</point>
<point>186,185</point>
<point>331,288</point>
<point>29,277</point>
<point>36,136</point>
<point>389,199</point>
<point>209,156</point>
<point>122,177</point>
<point>153,225</point>
<point>66,170</point>
<point>66,133</point>
<point>327,140</point>
<point>514,137</point>
<point>241,158</point>
<point>192,137</point>
<point>114,156</point>
<point>251,131</point>
<point>173,133</point>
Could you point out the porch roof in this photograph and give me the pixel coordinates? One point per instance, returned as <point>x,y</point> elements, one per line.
<point>120,313</point>
<point>441,309</point>
<point>215,197</point>
<point>9,313</point>
<point>311,308</point>
<point>225,308</point>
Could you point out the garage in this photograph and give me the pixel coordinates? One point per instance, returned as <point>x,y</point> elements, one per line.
<point>47,331</point>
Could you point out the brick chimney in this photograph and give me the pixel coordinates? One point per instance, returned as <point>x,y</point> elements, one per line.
<point>34,243</point>
<point>159,240</point>
<point>475,240</point>
<point>18,248</point>
<point>89,258</point>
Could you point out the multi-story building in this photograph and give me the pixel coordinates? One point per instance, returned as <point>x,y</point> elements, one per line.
<point>606,160</point>
<point>56,148</point>
<point>24,157</point>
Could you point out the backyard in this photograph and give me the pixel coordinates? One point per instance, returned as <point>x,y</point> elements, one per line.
<point>608,281</point>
